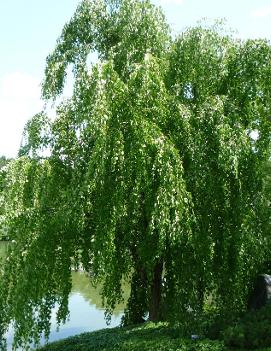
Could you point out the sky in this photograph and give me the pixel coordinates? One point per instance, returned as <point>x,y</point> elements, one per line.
<point>28,33</point>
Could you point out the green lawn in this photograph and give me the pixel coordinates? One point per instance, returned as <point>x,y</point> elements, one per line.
<point>149,337</point>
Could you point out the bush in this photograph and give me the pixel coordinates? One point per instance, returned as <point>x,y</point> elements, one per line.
<point>213,324</point>
<point>252,331</point>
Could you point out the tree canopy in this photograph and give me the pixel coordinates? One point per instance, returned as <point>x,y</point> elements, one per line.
<point>150,174</point>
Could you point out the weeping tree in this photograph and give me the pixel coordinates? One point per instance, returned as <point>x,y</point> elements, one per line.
<point>150,174</point>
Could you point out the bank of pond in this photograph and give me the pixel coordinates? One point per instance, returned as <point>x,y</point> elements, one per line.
<point>147,337</point>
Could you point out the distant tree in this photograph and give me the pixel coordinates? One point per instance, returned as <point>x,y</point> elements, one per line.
<point>3,163</point>
<point>152,174</point>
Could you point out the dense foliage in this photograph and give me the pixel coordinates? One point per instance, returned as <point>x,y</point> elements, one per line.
<point>149,173</point>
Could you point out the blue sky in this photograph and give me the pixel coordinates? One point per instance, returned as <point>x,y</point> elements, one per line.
<point>29,29</point>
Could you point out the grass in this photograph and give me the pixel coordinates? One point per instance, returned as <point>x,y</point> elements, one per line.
<point>147,337</point>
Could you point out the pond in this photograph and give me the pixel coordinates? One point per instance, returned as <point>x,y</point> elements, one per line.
<point>85,305</point>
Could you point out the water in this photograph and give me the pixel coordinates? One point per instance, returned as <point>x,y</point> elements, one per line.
<point>85,305</point>
<point>86,310</point>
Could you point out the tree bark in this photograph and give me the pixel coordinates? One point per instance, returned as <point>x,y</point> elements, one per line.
<point>156,293</point>
<point>137,303</point>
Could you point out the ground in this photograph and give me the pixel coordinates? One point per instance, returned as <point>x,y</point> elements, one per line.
<point>148,337</point>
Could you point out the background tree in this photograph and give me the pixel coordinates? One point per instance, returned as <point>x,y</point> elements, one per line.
<point>152,174</point>
<point>3,163</point>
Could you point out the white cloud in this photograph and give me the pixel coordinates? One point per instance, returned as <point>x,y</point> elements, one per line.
<point>171,2</point>
<point>19,85</point>
<point>19,101</point>
<point>262,12</point>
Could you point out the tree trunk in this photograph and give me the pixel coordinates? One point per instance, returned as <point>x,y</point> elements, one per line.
<point>137,303</point>
<point>156,291</point>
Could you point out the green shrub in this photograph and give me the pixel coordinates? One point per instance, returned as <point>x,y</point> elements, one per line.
<point>252,331</point>
<point>212,324</point>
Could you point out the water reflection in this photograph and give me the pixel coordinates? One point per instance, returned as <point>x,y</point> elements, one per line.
<point>82,284</point>
<point>86,309</point>
<point>84,316</point>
